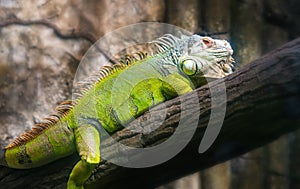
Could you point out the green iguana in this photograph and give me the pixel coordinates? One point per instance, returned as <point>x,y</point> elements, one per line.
<point>179,66</point>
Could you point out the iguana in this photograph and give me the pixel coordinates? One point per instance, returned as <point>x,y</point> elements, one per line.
<point>138,82</point>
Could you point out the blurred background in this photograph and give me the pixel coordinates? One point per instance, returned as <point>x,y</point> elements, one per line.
<point>43,41</point>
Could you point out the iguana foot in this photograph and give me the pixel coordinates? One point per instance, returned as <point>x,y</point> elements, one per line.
<point>72,185</point>
<point>88,146</point>
<point>80,173</point>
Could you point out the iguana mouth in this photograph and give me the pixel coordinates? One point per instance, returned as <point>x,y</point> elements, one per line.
<point>227,66</point>
<point>229,60</point>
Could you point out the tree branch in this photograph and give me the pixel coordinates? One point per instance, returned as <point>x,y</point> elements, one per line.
<point>262,104</point>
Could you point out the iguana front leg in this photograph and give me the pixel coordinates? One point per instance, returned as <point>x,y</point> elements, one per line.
<point>177,85</point>
<point>88,146</point>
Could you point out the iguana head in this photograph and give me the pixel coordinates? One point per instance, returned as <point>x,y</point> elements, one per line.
<point>205,57</point>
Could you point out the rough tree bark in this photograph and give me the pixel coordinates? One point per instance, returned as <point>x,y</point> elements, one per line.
<point>262,104</point>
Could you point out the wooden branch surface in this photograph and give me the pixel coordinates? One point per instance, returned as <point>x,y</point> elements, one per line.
<point>263,103</point>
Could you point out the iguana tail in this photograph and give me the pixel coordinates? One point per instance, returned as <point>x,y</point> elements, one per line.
<point>54,143</point>
<point>47,141</point>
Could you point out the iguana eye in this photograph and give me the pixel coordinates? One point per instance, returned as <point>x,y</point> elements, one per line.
<point>189,67</point>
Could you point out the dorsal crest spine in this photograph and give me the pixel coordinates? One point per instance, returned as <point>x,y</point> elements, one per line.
<point>166,42</point>
<point>106,71</point>
<point>60,111</point>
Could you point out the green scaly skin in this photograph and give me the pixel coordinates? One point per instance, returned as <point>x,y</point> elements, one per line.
<point>126,93</point>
